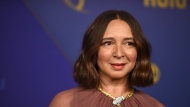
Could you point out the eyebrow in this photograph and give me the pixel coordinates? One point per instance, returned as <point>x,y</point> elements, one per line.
<point>110,38</point>
<point>129,38</point>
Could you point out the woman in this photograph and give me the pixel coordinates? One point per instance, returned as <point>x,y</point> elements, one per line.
<point>115,57</point>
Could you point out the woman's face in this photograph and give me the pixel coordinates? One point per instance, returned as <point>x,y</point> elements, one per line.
<point>117,53</point>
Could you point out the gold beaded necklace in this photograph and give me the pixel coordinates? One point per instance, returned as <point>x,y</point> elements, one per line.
<point>117,100</point>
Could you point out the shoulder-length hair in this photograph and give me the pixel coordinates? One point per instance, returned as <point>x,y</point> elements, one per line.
<point>86,69</point>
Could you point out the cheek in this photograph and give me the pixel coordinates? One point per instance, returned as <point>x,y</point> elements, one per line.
<point>132,54</point>
<point>103,54</point>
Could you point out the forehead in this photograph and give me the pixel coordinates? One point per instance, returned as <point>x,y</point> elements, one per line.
<point>118,28</point>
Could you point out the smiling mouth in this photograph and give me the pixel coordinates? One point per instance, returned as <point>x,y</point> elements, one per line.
<point>117,67</point>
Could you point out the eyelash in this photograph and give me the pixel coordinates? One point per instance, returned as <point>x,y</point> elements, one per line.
<point>131,43</point>
<point>107,43</point>
<point>110,43</point>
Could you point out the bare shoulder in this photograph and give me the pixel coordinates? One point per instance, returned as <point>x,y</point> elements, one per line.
<point>62,99</point>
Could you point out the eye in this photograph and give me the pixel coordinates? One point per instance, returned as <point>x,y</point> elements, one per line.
<point>129,43</point>
<point>107,43</point>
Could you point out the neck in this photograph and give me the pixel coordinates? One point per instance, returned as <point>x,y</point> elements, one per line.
<point>116,87</point>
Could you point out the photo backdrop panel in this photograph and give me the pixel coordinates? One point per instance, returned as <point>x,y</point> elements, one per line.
<point>40,41</point>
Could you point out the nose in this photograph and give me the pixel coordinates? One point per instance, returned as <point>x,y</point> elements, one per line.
<point>118,52</point>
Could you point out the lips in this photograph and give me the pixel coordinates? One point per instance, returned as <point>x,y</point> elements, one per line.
<point>117,67</point>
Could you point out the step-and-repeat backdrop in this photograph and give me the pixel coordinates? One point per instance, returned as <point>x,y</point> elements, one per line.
<point>41,39</point>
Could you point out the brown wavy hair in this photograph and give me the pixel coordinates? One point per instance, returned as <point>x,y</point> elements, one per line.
<point>86,69</point>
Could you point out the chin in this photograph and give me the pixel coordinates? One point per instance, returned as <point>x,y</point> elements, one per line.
<point>118,77</point>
